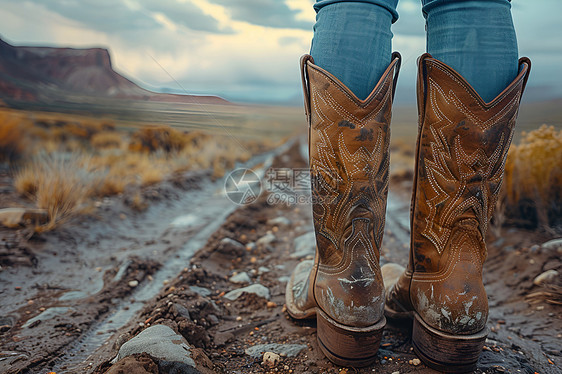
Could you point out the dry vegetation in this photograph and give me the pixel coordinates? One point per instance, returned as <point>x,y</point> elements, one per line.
<point>63,164</point>
<point>532,193</point>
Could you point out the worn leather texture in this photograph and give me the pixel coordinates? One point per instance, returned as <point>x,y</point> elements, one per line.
<point>460,158</point>
<point>349,159</point>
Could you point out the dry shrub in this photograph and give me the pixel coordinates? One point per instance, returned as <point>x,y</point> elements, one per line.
<point>533,179</point>
<point>151,139</point>
<point>106,139</point>
<point>13,138</point>
<point>119,170</point>
<point>61,185</point>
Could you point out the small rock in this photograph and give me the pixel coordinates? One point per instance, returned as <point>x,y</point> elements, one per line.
<point>270,359</point>
<point>266,239</point>
<point>231,247</point>
<point>305,245</point>
<point>263,270</point>
<point>240,278</point>
<point>271,304</point>
<point>14,217</point>
<point>257,289</point>
<point>534,248</point>
<point>395,372</point>
<point>279,221</point>
<point>284,279</point>
<point>213,320</point>
<point>133,283</point>
<point>201,290</point>
<point>546,277</point>
<point>415,361</point>
<point>285,350</point>
<point>162,343</point>
<point>181,311</point>
<point>552,244</point>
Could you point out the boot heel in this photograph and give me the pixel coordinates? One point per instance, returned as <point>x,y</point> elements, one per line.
<point>346,345</point>
<point>446,352</point>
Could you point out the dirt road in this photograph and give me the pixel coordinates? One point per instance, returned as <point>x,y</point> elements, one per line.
<point>70,299</point>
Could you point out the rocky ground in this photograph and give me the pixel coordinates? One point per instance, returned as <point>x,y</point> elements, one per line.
<point>223,310</point>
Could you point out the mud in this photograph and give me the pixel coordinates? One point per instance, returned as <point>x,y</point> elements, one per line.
<point>525,319</point>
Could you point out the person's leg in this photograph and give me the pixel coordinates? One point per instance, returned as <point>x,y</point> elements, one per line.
<point>352,41</point>
<point>477,39</point>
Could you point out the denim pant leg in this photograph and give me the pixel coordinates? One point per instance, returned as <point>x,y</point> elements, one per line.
<point>352,40</point>
<point>476,38</point>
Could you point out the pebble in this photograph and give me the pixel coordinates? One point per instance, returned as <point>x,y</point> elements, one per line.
<point>266,239</point>
<point>279,221</point>
<point>181,311</point>
<point>305,245</point>
<point>201,290</point>
<point>162,343</point>
<point>242,277</point>
<point>553,244</point>
<point>232,247</point>
<point>213,320</point>
<point>285,350</point>
<point>262,270</point>
<point>284,279</point>
<point>395,372</point>
<point>133,283</point>
<point>546,277</point>
<point>270,359</point>
<point>256,288</point>
<point>534,248</point>
<point>415,361</point>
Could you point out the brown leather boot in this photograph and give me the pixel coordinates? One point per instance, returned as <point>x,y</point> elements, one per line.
<point>460,158</point>
<point>349,159</point>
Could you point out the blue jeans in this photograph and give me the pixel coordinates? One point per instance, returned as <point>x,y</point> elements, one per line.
<point>352,40</point>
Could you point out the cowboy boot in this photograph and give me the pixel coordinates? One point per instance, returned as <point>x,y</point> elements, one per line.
<point>349,158</point>
<point>461,150</point>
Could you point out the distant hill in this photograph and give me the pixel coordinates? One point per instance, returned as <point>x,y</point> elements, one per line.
<point>45,74</point>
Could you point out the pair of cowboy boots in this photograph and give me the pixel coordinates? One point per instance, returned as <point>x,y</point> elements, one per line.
<point>460,156</point>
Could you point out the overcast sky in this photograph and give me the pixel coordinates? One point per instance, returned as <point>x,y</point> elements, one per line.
<point>244,50</point>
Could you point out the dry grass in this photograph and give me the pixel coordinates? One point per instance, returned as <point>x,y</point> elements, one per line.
<point>151,139</point>
<point>13,141</point>
<point>69,160</point>
<point>533,179</point>
<point>107,139</point>
<point>60,185</point>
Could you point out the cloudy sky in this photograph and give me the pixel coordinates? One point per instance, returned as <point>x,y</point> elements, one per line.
<point>243,50</point>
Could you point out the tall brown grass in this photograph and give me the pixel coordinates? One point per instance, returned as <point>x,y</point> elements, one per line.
<point>533,179</point>
<point>66,161</point>
<point>61,185</point>
<point>13,141</point>
<point>156,138</point>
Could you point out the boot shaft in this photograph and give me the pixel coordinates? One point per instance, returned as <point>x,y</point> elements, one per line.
<point>460,158</point>
<point>349,160</point>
